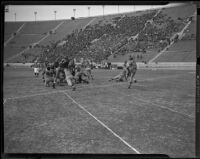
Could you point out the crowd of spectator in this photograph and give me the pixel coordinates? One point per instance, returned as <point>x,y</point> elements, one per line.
<point>99,41</point>
<point>124,27</point>
<point>159,31</point>
<point>109,36</point>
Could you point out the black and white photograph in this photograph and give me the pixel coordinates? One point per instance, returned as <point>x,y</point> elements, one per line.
<point>100,79</point>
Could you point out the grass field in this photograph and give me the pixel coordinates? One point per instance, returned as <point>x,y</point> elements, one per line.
<point>157,115</point>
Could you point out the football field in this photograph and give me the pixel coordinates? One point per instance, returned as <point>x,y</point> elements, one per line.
<point>157,115</point>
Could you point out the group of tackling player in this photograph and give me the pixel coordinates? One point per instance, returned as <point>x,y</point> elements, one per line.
<point>128,72</point>
<point>65,70</point>
<point>68,71</point>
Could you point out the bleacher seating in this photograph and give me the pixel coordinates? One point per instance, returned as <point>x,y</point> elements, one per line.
<point>6,37</point>
<point>108,37</point>
<point>190,32</point>
<point>39,27</point>
<point>19,43</point>
<point>10,28</point>
<point>10,51</point>
<point>24,40</point>
<point>180,11</point>
<point>66,28</point>
<point>182,51</point>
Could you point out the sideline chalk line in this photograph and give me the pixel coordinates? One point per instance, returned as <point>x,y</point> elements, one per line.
<point>32,95</point>
<point>60,91</point>
<point>105,126</point>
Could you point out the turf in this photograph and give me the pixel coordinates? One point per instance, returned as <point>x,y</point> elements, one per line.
<point>157,115</point>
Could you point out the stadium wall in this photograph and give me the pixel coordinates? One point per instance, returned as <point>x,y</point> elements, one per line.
<point>163,65</point>
<point>140,65</point>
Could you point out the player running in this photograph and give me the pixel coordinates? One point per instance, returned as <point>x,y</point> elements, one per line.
<point>49,75</point>
<point>79,76</point>
<point>132,68</point>
<point>68,74</point>
<point>59,71</point>
<point>88,69</point>
<point>72,66</point>
<point>36,69</point>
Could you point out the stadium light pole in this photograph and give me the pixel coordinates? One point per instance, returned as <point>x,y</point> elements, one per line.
<point>118,9</point>
<point>103,10</point>
<point>15,17</point>
<point>35,15</point>
<point>55,14</point>
<point>74,10</point>
<point>88,11</point>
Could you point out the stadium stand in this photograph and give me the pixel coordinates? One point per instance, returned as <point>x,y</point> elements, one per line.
<point>182,51</point>
<point>39,27</point>
<point>10,51</point>
<point>6,37</point>
<point>190,32</point>
<point>112,37</point>
<point>19,43</point>
<point>10,28</point>
<point>66,28</point>
<point>180,11</point>
<point>24,40</point>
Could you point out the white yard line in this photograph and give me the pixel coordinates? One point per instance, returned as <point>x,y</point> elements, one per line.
<point>104,125</point>
<point>60,91</point>
<point>32,95</point>
<point>108,85</point>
